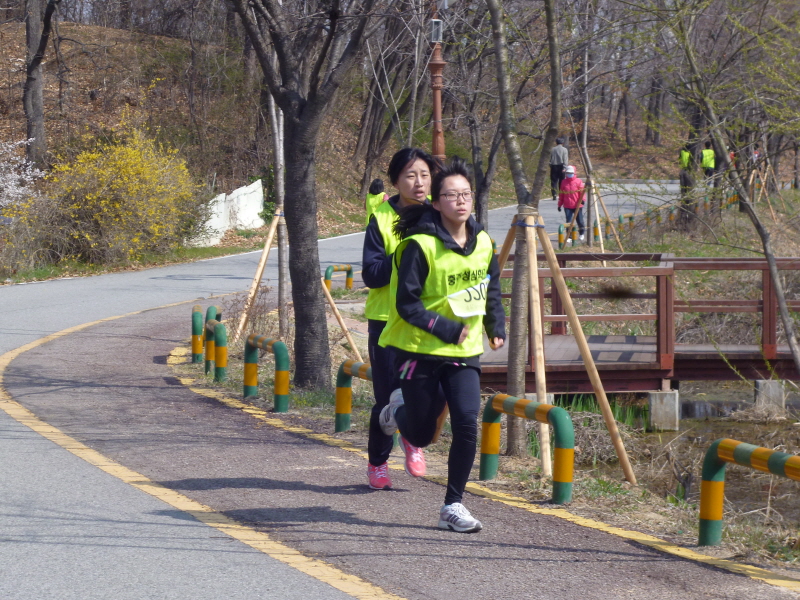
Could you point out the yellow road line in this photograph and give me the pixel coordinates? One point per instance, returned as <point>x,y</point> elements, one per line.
<point>479,490</point>
<point>320,570</point>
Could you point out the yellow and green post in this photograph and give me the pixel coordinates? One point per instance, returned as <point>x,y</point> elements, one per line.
<point>213,313</point>
<point>563,434</point>
<point>712,486</point>
<point>255,343</point>
<point>348,284</point>
<point>344,390</point>
<point>562,239</point>
<point>197,334</point>
<point>220,352</point>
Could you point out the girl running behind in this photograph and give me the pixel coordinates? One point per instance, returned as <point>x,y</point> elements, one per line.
<point>410,171</point>
<point>446,282</point>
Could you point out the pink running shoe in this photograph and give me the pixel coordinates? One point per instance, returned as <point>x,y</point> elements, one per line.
<point>415,458</point>
<point>379,477</point>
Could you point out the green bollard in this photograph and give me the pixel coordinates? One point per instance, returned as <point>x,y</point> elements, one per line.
<point>212,314</point>
<point>280,398</point>
<point>220,353</point>
<point>197,334</point>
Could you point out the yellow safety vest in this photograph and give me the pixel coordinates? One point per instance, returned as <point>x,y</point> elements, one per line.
<point>373,202</point>
<point>685,157</point>
<point>379,299</point>
<point>709,160</point>
<point>455,284</point>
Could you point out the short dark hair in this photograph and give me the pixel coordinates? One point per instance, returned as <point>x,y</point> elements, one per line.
<point>560,140</point>
<point>411,215</point>
<point>457,166</point>
<point>708,144</point>
<point>404,156</point>
<point>376,187</point>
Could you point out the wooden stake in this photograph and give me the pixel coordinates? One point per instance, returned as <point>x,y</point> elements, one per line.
<point>777,186</point>
<point>338,316</point>
<point>586,354</point>
<point>599,226</point>
<point>248,305</point>
<point>440,423</point>
<point>610,222</point>
<point>506,249</point>
<point>537,341</point>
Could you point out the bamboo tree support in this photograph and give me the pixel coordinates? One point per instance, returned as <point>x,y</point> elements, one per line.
<point>751,188</point>
<point>571,224</point>
<point>771,171</point>
<point>339,318</point>
<point>537,341</point>
<point>586,354</point>
<point>251,296</point>
<point>763,192</point>
<point>608,218</point>
<point>593,198</point>
<point>506,249</point>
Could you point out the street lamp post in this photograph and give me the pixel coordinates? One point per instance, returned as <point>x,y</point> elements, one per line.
<point>436,66</point>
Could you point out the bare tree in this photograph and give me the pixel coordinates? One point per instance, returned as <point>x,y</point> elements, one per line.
<point>315,44</point>
<point>37,34</point>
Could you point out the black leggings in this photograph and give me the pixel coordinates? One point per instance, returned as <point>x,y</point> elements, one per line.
<point>416,419</point>
<point>379,445</point>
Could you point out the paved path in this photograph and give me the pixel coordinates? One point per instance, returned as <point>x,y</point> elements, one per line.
<point>109,388</point>
<point>71,531</point>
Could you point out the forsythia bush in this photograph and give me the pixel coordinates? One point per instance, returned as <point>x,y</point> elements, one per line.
<point>119,200</point>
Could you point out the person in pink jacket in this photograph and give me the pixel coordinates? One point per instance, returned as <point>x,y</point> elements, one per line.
<point>570,197</point>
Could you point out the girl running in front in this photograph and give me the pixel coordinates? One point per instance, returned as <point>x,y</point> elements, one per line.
<point>410,171</point>
<point>446,284</point>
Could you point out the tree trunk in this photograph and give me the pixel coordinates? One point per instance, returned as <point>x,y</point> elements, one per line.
<point>659,112</point>
<point>628,110</point>
<point>37,33</point>
<point>483,179</point>
<point>796,164</point>
<point>528,201</point>
<point>279,170</point>
<point>312,352</point>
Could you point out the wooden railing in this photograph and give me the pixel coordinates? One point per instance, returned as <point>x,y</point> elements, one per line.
<point>666,305</point>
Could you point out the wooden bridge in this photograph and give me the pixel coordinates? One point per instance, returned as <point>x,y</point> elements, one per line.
<point>651,362</point>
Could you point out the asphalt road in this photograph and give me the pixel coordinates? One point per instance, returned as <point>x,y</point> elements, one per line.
<point>70,531</point>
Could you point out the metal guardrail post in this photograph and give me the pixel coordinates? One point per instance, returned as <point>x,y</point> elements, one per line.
<point>281,353</point>
<point>213,313</point>
<point>197,334</point>
<point>344,390</point>
<point>563,433</point>
<point>348,284</point>
<point>712,486</point>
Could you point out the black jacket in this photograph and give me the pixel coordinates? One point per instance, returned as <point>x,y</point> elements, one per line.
<point>413,271</point>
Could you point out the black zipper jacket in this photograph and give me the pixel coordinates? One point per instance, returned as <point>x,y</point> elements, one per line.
<point>413,271</point>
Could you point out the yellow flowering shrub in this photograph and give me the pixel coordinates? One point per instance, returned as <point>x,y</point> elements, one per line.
<point>120,199</point>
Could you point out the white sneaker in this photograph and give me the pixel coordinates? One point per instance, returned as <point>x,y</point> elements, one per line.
<point>386,419</point>
<point>456,517</point>
<point>582,237</point>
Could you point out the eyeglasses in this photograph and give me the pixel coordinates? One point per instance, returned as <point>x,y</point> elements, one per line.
<point>454,196</point>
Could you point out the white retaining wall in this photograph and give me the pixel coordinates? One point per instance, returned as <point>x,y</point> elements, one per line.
<point>237,210</point>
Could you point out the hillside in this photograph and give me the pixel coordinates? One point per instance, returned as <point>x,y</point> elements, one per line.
<point>206,103</point>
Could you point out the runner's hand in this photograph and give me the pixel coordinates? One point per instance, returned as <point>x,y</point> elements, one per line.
<point>464,334</point>
<point>496,343</point>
